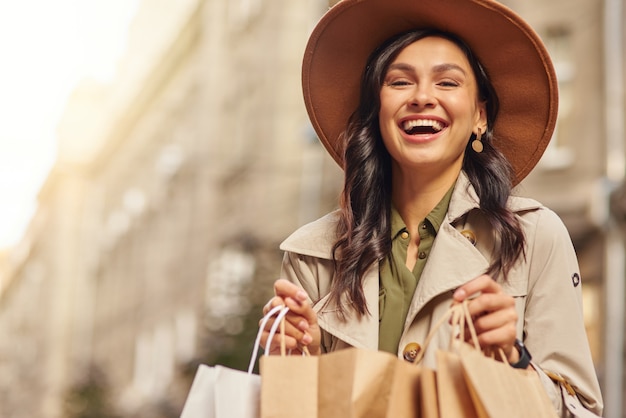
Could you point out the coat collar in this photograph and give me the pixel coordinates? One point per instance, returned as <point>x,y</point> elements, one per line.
<point>464,199</point>
<point>317,238</point>
<point>441,274</point>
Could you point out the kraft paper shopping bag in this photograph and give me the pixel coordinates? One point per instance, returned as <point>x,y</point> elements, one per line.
<point>405,389</point>
<point>289,386</point>
<point>350,383</point>
<point>289,383</point>
<point>355,383</point>
<point>496,388</point>
<point>429,407</point>
<point>500,390</point>
<point>453,394</point>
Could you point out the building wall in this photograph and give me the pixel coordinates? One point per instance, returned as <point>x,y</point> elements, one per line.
<point>199,151</point>
<point>570,177</point>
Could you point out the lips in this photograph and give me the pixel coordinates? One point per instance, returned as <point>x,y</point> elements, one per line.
<point>422,126</point>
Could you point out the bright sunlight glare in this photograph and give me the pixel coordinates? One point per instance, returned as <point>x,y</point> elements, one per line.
<point>46,48</point>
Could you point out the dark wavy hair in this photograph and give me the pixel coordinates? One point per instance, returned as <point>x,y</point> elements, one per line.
<point>364,228</point>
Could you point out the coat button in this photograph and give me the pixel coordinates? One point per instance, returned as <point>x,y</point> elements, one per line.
<point>404,235</point>
<point>469,235</point>
<point>410,351</point>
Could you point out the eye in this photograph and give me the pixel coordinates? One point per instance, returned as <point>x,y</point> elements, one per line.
<point>398,82</point>
<point>448,83</point>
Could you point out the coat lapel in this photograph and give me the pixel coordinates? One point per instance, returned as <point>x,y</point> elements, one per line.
<point>453,260</point>
<point>360,332</point>
<point>443,271</point>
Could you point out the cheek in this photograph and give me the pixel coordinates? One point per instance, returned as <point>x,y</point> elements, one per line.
<point>386,124</point>
<point>464,109</point>
<point>462,104</point>
<point>391,101</point>
<point>385,132</point>
<point>385,115</point>
<point>389,107</point>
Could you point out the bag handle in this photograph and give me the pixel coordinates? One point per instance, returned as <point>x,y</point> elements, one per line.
<point>467,319</point>
<point>449,313</point>
<point>459,315</point>
<point>470,325</point>
<point>257,342</point>
<point>279,324</point>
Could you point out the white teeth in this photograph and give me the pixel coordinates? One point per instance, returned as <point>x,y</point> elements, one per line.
<point>412,123</point>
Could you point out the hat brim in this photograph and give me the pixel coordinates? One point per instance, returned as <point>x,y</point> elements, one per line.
<point>512,53</point>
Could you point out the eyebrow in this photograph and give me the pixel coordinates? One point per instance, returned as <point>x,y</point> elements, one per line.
<point>441,68</point>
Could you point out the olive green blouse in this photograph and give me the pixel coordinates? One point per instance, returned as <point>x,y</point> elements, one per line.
<point>397,283</point>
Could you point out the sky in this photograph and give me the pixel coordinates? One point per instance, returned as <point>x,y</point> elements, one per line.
<point>46,48</point>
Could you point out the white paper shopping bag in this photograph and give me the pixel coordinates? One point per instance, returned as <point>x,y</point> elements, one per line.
<point>221,392</point>
<point>201,398</point>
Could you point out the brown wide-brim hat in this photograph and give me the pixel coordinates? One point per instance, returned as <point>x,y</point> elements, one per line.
<point>512,53</point>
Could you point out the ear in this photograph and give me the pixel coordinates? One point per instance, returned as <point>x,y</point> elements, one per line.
<point>481,117</point>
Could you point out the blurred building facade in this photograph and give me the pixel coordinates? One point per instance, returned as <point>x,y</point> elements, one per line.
<point>570,176</point>
<point>167,184</point>
<point>174,186</point>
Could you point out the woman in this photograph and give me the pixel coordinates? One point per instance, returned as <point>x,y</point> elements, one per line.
<point>432,141</point>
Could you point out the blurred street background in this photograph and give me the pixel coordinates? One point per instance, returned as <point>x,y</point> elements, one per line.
<point>154,153</point>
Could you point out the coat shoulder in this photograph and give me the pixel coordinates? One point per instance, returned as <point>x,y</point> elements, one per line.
<point>314,239</point>
<point>524,204</point>
<point>533,212</point>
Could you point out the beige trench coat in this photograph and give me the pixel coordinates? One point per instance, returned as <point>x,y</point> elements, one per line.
<point>546,287</point>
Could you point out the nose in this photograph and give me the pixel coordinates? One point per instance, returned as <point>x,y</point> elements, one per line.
<point>422,96</point>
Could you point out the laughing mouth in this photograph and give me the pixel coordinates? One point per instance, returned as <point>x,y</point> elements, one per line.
<point>422,126</point>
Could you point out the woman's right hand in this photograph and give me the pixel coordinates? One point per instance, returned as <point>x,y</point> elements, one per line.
<point>301,328</point>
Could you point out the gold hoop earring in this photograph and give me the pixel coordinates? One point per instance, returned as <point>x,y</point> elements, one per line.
<point>477,145</point>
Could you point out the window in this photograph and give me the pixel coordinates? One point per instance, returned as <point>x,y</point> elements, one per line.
<point>559,153</point>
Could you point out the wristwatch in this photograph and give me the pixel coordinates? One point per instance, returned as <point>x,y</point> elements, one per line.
<point>524,355</point>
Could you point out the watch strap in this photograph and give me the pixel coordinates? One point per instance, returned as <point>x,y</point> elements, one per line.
<point>524,355</point>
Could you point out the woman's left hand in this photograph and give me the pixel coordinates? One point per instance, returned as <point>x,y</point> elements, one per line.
<point>494,314</point>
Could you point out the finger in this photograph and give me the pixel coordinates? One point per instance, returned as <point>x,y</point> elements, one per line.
<point>481,284</point>
<point>284,289</point>
<point>293,337</point>
<point>488,337</point>
<point>301,316</point>
<point>272,303</point>
<point>305,311</point>
<point>290,329</point>
<point>502,337</point>
<point>298,322</point>
<point>490,302</point>
<point>290,342</point>
<point>293,329</point>
<point>499,326</point>
<point>501,319</point>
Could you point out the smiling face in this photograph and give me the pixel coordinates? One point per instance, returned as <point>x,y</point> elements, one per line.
<point>429,108</point>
